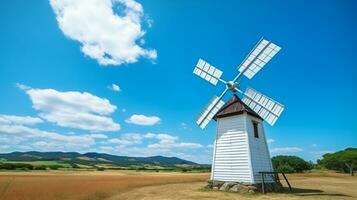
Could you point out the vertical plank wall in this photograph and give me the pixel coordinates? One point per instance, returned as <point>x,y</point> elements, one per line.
<point>231,160</point>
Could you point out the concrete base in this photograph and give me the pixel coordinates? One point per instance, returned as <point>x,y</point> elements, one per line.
<point>243,187</point>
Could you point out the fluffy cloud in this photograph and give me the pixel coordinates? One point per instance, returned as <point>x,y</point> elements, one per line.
<point>286,150</point>
<point>73,109</point>
<point>108,37</point>
<point>143,120</point>
<point>152,144</point>
<point>33,138</point>
<point>155,142</point>
<point>168,142</point>
<point>22,120</point>
<point>127,139</point>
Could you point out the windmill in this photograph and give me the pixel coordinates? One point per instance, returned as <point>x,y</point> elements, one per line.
<point>240,148</point>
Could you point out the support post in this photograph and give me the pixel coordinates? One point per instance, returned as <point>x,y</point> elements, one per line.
<point>287,181</point>
<point>263,184</point>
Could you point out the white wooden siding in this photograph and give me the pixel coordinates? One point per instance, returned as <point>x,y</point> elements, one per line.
<point>231,160</point>
<point>259,150</point>
<point>237,155</point>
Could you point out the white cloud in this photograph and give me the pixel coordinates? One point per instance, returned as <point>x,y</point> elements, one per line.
<point>21,120</point>
<point>73,109</point>
<point>127,139</point>
<point>98,136</point>
<point>106,149</point>
<point>143,120</point>
<point>115,88</point>
<point>168,142</point>
<point>149,144</point>
<point>22,87</point>
<point>152,144</point>
<point>270,140</point>
<point>285,150</point>
<point>106,36</point>
<point>150,135</point>
<point>35,138</point>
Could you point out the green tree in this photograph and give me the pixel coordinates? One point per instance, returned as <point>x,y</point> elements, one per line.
<point>290,164</point>
<point>344,161</point>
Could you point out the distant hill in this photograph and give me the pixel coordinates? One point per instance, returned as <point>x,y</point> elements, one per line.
<point>93,158</point>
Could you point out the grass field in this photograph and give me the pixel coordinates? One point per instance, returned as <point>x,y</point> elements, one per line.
<point>112,185</point>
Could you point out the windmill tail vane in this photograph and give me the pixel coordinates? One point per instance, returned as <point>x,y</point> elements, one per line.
<point>265,107</point>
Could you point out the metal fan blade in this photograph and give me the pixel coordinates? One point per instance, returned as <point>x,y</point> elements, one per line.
<point>267,108</point>
<point>207,72</point>
<point>258,57</point>
<point>209,111</point>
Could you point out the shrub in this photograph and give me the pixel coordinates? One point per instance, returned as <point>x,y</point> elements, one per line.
<point>74,165</point>
<point>290,164</point>
<point>54,167</point>
<point>41,167</point>
<point>285,168</point>
<point>100,168</point>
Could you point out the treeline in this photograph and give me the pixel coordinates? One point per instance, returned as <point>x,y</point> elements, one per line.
<point>29,166</point>
<point>342,161</point>
<point>26,166</point>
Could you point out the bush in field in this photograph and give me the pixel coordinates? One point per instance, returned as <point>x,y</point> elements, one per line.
<point>14,166</point>
<point>8,166</point>
<point>40,167</point>
<point>54,167</point>
<point>184,170</point>
<point>74,165</point>
<point>344,161</point>
<point>290,164</point>
<point>100,168</point>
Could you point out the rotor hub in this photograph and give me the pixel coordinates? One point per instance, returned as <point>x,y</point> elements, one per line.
<point>232,86</point>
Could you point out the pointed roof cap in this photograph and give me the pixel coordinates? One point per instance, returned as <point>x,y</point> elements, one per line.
<point>235,106</point>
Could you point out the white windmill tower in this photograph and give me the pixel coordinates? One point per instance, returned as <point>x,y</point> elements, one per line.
<point>240,148</point>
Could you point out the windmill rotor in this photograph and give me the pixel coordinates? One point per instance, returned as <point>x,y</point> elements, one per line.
<point>264,106</point>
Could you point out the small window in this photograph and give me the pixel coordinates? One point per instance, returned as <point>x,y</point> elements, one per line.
<point>255,129</point>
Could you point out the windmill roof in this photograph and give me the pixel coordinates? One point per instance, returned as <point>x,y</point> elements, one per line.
<point>234,106</point>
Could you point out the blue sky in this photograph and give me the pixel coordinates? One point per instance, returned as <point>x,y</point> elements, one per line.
<point>57,67</point>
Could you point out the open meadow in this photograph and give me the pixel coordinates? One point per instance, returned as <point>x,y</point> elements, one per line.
<point>112,185</point>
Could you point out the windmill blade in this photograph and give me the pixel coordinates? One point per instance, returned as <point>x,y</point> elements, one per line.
<point>209,111</point>
<point>207,72</point>
<point>266,107</point>
<point>258,57</point>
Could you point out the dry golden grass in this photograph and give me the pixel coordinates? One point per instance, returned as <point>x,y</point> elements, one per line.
<point>82,185</point>
<point>122,185</point>
<point>305,186</point>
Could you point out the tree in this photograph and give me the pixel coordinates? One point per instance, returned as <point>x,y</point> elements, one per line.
<point>285,168</point>
<point>344,161</point>
<point>290,164</point>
